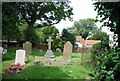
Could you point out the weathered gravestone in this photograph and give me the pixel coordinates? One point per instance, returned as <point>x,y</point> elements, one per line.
<point>27,46</point>
<point>80,50</point>
<point>67,52</point>
<point>40,50</point>
<point>20,56</point>
<point>49,52</point>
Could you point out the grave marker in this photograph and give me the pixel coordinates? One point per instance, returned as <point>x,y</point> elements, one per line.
<point>67,52</point>
<point>20,56</point>
<point>49,52</point>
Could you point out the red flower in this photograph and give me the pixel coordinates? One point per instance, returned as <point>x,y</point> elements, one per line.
<point>18,64</point>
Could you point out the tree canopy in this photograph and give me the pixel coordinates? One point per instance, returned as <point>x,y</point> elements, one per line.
<point>48,13</point>
<point>109,12</point>
<point>83,27</point>
<point>99,35</point>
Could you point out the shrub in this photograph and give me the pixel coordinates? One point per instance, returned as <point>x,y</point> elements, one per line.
<point>109,65</point>
<point>58,43</point>
<point>106,61</point>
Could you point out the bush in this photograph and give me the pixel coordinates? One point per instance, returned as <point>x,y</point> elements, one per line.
<point>109,67</point>
<point>58,43</point>
<point>106,61</point>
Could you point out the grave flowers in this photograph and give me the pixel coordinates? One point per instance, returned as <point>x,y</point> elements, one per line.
<point>14,68</point>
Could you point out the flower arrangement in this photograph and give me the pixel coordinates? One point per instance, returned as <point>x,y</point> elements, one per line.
<point>13,69</point>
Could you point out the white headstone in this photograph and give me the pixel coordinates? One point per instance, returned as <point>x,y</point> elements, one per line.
<point>20,56</point>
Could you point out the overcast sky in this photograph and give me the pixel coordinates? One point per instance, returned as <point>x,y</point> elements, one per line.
<point>82,9</point>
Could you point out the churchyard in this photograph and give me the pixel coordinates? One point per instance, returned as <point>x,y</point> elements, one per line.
<point>37,66</point>
<point>54,40</point>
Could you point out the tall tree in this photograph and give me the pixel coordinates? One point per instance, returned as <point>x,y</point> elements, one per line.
<point>66,36</point>
<point>109,12</point>
<point>83,27</point>
<point>10,22</point>
<point>48,13</point>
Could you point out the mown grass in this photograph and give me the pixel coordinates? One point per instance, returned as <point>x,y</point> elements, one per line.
<point>74,71</point>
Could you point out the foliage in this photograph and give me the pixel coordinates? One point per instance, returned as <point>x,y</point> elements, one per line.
<point>99,35</point>
<point>30,35</point>
<point>109,65</point>
<point>109,14</point>
<point>48,13</point>
<point>13,69</point>
<point>66,36</point>
<point>49,31</point>
<point>10,22</point>
<point>58,43</point>
<point>83,27</point>
<point>106,61</point>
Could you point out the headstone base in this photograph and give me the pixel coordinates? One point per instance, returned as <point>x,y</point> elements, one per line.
<point>49,54</point>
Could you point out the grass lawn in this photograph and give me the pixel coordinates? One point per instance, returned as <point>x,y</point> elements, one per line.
<point>74,71</point>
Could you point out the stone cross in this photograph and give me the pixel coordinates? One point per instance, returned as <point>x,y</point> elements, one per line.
<point>49,42</point>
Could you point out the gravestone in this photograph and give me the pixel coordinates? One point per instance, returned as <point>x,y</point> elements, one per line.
<point>80,50</point>
<point>40,50</point>
<point>67,52</point>
<point>4,51</point>
<point>20,56</point>
<point>58,50</point>
<point>27,46</point>
<point>1,51</point>
<point>49,52</point>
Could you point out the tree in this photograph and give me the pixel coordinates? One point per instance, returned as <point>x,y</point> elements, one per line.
<point>83,27</point>
<point>109,14</point>
<point>49,31</point>
<point>10,22</point>
<point>58,43</point>
<point>48,13</point>
<point>66,36</point>
<point>99,35</point>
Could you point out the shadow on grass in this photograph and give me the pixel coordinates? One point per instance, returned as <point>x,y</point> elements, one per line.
<point>39,72</point>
